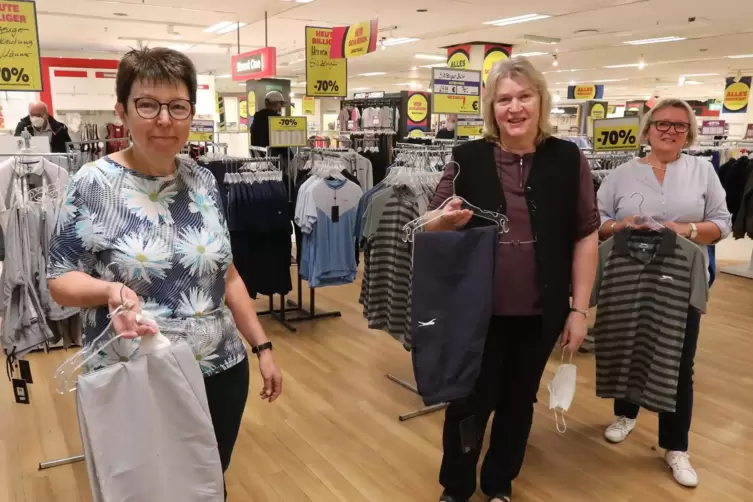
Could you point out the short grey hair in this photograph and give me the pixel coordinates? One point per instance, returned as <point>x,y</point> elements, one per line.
<point>648,119</point>
<point>516,67</point>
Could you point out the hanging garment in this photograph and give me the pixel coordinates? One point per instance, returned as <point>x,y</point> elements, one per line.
<point>644,285</point>
<point>147,431</point>
<point>116,132</point>
<point>326,212</point>
<point>452,293</point>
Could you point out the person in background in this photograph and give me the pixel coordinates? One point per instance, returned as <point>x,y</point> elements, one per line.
<point>543,185</point>
<point>448,131</point>
<point>683,193</point>
<point>40,123</point>
<point>273,103</point>
<point>145,227</point>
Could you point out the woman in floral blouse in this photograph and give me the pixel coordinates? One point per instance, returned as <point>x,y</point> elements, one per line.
<point>144,226</point>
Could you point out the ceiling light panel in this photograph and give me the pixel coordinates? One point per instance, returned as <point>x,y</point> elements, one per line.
<point>431,57</point>
<point>740,56</point>
<point>388,42</point>
<point>631,65</point>
<point>218,26</point>
<point>372,74</point>
<point>517,19</point>
<point>659,40</point>
<point>530,54</point>
<point>435,65</point>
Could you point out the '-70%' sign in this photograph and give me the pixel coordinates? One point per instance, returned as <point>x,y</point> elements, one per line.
<point>616,135</point>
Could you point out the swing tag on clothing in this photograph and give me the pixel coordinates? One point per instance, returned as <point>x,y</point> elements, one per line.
<point>20,391</point>
<point>24,368</point>
<point>335,214</point>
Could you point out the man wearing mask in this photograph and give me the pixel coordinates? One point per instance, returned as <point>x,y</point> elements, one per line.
<point>273,103</point>
<point>39,123</point>
<point>448,131</point>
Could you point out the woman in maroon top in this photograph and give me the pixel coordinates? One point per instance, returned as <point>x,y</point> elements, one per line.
<point>544,186</point>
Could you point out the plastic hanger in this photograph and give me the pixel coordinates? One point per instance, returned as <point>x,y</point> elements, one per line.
<point>499,219</point>
<point>66,373</point>
<point>646,219</point>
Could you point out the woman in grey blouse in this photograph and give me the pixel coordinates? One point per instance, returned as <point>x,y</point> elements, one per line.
<point>684,194</point>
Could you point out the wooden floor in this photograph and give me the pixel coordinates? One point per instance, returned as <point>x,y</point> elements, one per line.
<point>334,435</point>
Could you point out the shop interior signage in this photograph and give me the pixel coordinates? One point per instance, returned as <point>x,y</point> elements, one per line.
<point>287,131</point>
<point>494,53</point>
<point>470,126</point>
<point>20,67</point>
<point>355,40</point>
<point>368,95</point>
<point>585,91</point>
<point>713,127</point>
<point>459,57</point>
<point>456,91</point>
<point>736,95</point>
<point>255,64</point>
<point>619,134</point>
<point>325,77</point>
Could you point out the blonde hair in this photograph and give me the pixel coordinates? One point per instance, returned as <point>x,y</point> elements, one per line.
<point>516,67</point>
<point>648,119</point>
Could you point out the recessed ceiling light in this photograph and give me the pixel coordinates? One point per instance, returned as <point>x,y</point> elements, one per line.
<point>358,88</point>
<point>517,19</point>
<point>740,56</point>
<point>610,80</point>
<point>701,75</point>
<point>659,40</point>
<point>431,57</point>
<point>630,65</point>
<point>414,68</point>
<point>531,54</point>
<point>120,14</point>
<point>435,65</point>
<point>693,82</point>
<point>387,42</point>
<point>372,74</point>
<point>536,39</point>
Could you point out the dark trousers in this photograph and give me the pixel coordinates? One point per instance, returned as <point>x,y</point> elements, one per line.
<point>515,356</point>
<point>674,427</point>
<point>226,393</point>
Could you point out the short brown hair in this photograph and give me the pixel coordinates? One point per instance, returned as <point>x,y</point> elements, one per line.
<point>159,65</point>
<point>516,67</point>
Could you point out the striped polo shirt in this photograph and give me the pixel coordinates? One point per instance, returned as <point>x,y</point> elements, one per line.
<point>645,283</point>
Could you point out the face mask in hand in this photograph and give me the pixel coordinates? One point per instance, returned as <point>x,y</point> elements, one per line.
<point>561,391</point>
<point>38,122</point>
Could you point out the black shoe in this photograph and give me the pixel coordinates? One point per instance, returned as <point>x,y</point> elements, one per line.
<point>449,498</point>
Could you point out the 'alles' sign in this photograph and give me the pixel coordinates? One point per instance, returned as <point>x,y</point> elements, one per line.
<point>736,95</point>
<point>585,91</point>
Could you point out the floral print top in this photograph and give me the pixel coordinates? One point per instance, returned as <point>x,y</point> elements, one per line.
<point>165,238</point>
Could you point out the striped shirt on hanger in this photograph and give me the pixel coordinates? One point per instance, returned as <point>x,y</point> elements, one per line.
<point>644,285</point>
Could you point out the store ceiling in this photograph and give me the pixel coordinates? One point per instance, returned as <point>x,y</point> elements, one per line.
<point>713,31</point>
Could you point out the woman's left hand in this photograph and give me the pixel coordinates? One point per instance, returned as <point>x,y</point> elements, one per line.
<point>575,331</point>
<point>272,376</point>
<point>681,229</point>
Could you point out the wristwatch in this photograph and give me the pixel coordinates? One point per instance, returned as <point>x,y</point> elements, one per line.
<point>258,349</point>
<point>693,231</point>
<point>584,312</point>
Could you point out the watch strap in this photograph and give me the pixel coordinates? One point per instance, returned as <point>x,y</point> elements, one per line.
<point>258,349</point>
<point>693,231</point>
<point>583,312</point>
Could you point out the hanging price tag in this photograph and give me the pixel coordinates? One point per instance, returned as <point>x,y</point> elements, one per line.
<point>201,130</point>
<point>616,135</point>
<point>287,131</point>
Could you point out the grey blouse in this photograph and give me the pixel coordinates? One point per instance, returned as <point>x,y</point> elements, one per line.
<point>691,192</point>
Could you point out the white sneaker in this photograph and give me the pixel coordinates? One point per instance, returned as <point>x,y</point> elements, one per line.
<point>619,431</point>
<point>683,472</point>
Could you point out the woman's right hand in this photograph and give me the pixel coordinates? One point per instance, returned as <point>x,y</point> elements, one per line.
<point>453,217</point>
<point>125,321</point>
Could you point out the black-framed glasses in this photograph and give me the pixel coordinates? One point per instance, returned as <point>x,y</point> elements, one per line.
<point>665,126</point>
<point>150,108</point>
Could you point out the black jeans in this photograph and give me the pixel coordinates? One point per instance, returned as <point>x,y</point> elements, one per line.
<point>226,393</point>
<point>674,427</point>
<point>515,356</point>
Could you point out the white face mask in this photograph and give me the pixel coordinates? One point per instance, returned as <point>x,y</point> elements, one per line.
<point>561,391</point>
<point>38,122</point>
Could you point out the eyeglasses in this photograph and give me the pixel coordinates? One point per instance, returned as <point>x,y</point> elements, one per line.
<point>665,126</point>
<point>149,108</point>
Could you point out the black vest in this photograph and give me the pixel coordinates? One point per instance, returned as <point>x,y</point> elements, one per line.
<point>552,191</point>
